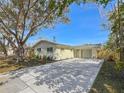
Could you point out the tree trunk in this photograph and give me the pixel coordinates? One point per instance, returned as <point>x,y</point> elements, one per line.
<point>20,54</point>
<point>122,54</point>
<point>5,51</point>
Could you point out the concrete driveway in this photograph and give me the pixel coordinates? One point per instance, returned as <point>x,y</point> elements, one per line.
<point>67,76</point>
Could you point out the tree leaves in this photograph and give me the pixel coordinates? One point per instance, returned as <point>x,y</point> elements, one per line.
<point>22,18</point>
<point>116,19</point>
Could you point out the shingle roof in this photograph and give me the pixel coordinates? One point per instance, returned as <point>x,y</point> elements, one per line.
<point>89,46</point>
<point>68,46</point>
<point>54,43</point>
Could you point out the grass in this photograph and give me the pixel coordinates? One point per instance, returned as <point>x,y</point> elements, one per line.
<point>9,64</point>
<point>108,80</point>
<point>6,66</point>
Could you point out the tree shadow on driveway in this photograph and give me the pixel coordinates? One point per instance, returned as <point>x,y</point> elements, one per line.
<point>62,77</point>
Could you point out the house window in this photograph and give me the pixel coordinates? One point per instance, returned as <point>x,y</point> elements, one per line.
<point>39,49</point>
<point>50,49</point>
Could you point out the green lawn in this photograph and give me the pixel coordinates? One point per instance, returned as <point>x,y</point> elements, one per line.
<point>108,80</point>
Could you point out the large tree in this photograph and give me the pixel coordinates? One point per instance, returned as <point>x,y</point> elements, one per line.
<point>20,19</point>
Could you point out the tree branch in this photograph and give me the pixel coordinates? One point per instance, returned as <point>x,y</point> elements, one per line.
<point>9,40</point>
<point>7,27</point>
<point>32,29</point>
<point>25,16</point>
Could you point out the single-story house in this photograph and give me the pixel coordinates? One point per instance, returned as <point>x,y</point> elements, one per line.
<point>61,51</point>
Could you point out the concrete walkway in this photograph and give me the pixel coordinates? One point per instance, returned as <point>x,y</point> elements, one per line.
<point>67,76</point>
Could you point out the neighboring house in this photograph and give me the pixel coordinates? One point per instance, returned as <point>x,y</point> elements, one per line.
<point>9,51</point>
<point>61,51</point>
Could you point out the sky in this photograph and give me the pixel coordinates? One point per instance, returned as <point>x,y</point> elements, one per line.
<point>85,27</point>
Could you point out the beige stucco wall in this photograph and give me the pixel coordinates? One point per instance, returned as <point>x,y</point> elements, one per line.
<point>44,47</point>
<point>58,53</point>
<point>62,53</point>
<point>94,53</point>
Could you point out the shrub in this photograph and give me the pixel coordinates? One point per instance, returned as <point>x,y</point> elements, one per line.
<point>119,65</point>
<point>36,57</point>
<point>108,54</point>
<point>44,59</point>
<point>120,68</point>
<point>47,59</point>
<point>50,58</point>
